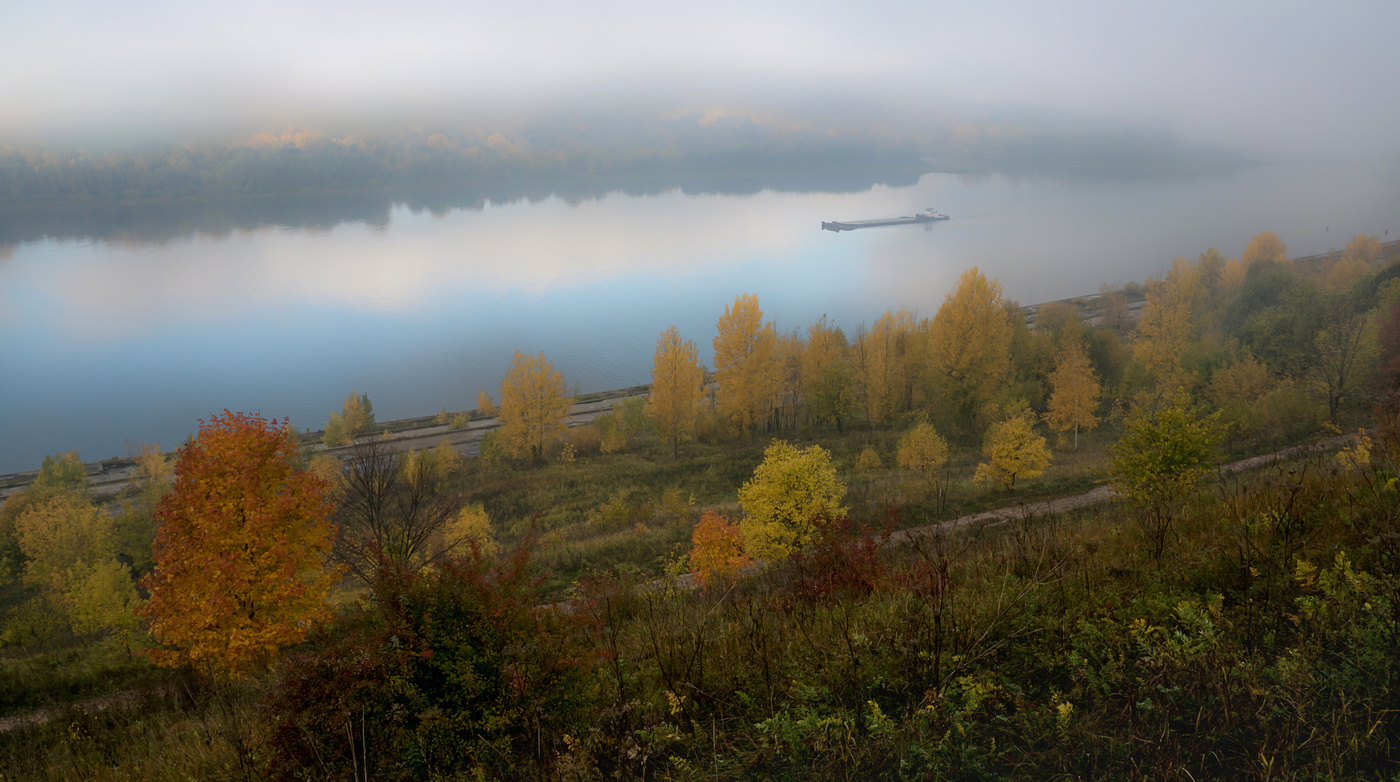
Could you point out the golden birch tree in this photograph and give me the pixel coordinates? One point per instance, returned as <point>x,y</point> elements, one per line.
<point>534,406</point>
<point>923,452</point>
<point>485,405</point>
<point>1264,246</point>
<point>745,364</point>
<point>827,382</point>
<point>1013,451</point>
<point>790,348</point>
<point>1167,327</point>
<point>356,416</point>
<point>1074,394</point>
<point>970,343</point>
<point>884,373</point>
<point>677,381</point>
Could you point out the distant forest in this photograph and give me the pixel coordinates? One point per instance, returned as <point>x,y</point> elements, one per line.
<point>307,162</point>
<point>692,151</point>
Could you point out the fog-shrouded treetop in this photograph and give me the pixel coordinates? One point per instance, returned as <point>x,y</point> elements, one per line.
<point>1277,79</point>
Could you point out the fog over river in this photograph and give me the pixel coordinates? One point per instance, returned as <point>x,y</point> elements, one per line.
<point>111,336</point>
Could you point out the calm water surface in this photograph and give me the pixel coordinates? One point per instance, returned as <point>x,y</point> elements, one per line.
<point>114,340</point>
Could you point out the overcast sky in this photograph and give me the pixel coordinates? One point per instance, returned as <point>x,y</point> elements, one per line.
<point>1280,77</point>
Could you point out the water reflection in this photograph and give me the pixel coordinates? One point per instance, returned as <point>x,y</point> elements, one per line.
<point>132,225</point>
<point>135,324</point>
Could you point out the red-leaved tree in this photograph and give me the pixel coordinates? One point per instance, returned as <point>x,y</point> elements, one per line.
<point>240,549</point>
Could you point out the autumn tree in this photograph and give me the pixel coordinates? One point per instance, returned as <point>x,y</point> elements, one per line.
<point>677,381</point>
<point>827,382</point>
<point>1264,246</point>
<point>471,528</point>
<point>1163,455</point>
<point>62,473</point>
<point>716,550</point>
<point>240,551</point>
<point>1074,394</point>
<point>1361,253</point>
<point>485,406</point>
<point>534,406</point>
<point>392,507</point>
<point>1386,377</point>
<point>70,555</point>
<point>745,364</point>
<point>789,349</point>
<point>1167,327</point>
<point>356,417</point>
<point>970,343</point>
<point>1014,451</point>
<point>135,522</point>
<point>788,489</point>
<point>923,452</point>
<point>881,363</point>
<point>1340,351</point>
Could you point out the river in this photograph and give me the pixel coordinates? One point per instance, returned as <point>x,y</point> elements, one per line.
<point>122,326</point>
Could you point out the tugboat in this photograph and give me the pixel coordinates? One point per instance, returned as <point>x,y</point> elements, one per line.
<point>929,215</point>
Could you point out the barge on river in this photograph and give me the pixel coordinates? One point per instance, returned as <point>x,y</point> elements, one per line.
<point>926,216</point>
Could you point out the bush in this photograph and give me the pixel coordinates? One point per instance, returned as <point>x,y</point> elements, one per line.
<point>455,670</point>
<point>868,461</point>
<point>584,439</point>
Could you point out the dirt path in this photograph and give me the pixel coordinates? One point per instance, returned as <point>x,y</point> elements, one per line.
<point>1101,494</point>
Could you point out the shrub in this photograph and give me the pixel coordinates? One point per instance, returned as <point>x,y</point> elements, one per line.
<point>455,670</point>
<point>789,488</point>
<point>717,550</point>
<point>868,461</point>
<point>584,439</point>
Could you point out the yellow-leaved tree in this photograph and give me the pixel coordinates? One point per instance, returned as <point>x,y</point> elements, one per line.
<point>827,384</point>
<point>677,381</point>
<point>1167,328</point>
<point>470,527</point>
<point>881,355</point>
<point>745,364</point>
<point>923,452</point>
<point>970,344</point>
<point>71,554</point>
<point>534,406</point>
<point>789,350</point>
<point>1075,391</point>
<point>1265,246</point>
<point>356,416</point>
<point>1014,451</point>
<point>485,406</point>
<point>788,489</point>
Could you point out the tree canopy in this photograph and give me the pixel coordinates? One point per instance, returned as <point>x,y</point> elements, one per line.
<point>241,548</point>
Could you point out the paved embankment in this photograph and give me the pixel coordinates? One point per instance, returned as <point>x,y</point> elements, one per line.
<point>109,477</point>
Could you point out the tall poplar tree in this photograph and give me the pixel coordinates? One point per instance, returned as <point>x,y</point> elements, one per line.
<point>1167,327</point>
<point>745,364</point>
<point>1074,392</point>
<point>677,380</point>
<point>534,406</point>
<point>827,384</point>
<point>970,343</point>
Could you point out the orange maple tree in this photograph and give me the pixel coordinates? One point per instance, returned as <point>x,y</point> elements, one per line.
<point>239,553</point>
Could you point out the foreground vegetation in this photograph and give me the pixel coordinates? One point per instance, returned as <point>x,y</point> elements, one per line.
<point>588,605</point>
